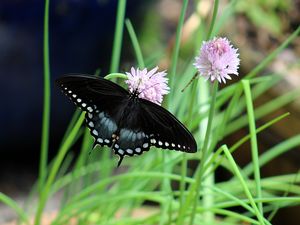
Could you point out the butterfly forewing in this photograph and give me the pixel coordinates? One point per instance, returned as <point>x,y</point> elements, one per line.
<point>101,100</point>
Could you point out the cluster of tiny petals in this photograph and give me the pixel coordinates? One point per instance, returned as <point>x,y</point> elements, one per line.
<point>217,60</point>
<point>150,85</point>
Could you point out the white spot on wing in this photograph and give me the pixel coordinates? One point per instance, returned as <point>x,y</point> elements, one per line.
<point>145,145</point>
<point>95,132</point>
<point>91,124</point>
<point>160,143</point>
<point>121,152</point>
<point>129,151</point>
<point>100,140</point>
<point>138,150</point>
<point>79,100</point>
<point>166,144</point>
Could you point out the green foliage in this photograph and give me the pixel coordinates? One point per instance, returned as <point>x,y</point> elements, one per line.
<point>94,192</point>
<point>264,13</point>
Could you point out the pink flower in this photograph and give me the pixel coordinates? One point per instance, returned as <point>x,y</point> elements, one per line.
<point>150,85</point>
<point>217,59</point>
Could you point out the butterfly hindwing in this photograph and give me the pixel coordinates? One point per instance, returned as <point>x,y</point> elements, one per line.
<point>101,126</point>
<point>149,124</point>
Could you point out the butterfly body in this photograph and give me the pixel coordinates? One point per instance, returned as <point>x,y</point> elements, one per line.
<point>122,121</point>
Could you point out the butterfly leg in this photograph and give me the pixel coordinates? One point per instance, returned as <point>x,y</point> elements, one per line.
<point>120,160</point>
<point>94,146</point>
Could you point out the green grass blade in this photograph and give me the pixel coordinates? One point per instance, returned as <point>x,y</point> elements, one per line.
<point>263,110</point>
<point>217,161</point>
<point>228,11</point>
<point>46,107</point>
<point>175,53</point>
<point>253,139</point>
<point>271,56</point>
<point>12,204</point>
<point>243,183</point>
<point>56,165</point>
<point>273,153</point>
<point>116,52</point>
<point>135,43</point>
<point>206,151</point>
<point>214,17</point>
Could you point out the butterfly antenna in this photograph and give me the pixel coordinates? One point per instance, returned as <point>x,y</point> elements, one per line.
<point>188,84</point>
<point>120,160</point>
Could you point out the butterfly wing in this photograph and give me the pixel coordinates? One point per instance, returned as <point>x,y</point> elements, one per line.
<point>165,130</point>
<point>149,124</point>
<point>124,122</point>
<point>101,99</point>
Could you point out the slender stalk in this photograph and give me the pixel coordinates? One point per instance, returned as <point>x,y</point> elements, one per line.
<point>182,181</point>
<point>175,53</point>
<point>56,165</point>
<point>135,43</point>
<point>166,182</point>
<point>209,34</point>
<point>213,20</point>
<point>217,161</point>
<point>244,185</point>
<point>271,56</point>
<point>208,198</point>
<point>115,75</point>
<point>116,53</point>
<point>184,158</point>
<point>46,107</point>
<point>253,140</point>
<point>12,204</point>
<point>205,152</point>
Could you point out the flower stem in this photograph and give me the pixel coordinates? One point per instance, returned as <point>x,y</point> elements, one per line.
<point>253,139</point>
<point>244,185</point>
<point>56,165</point>
<point>115,75</point>
<point>115,61</point>
<point>193,193</point>
<point>46,110</point>
<point>135,43</point>
<point>205,153</point>
<point>213,20</point>
<point>184,158</point>
<point>177,43</point>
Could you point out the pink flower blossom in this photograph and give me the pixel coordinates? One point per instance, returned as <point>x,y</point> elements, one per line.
<point>217,60</point>
<point>150,85</point>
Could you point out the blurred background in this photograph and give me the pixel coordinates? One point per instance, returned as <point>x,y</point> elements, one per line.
<point>81,37</point>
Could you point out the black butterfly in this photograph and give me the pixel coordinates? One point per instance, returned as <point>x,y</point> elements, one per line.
<point>121,120</point>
